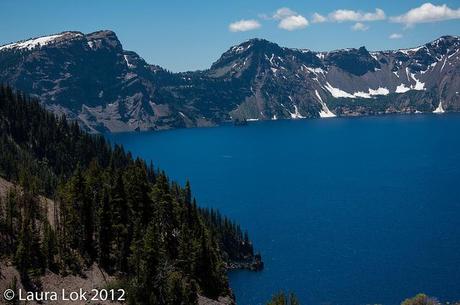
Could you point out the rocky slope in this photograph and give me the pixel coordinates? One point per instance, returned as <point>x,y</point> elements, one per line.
<point>92,278</point>
<point>92,79</point>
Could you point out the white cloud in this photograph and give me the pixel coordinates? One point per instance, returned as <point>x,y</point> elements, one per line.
<point>244,25</point>
<point>317,18</point>
<point>359,27</point>
<point>283,12</point>
<point>427,13</point>
<point>290,20</point>
<point>356,16</point>
<point>292,23</point>
<point>264,16</point>
<point>395,36</point>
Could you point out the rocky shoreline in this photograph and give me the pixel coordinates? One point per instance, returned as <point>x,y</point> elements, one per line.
<point>253,264</point>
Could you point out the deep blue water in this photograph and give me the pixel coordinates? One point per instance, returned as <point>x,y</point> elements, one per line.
<point>344,211</point>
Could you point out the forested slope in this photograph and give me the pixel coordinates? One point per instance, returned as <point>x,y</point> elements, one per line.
<point>108,208</point>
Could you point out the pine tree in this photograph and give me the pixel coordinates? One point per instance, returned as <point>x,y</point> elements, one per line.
<point>120,216</point>
<point>93,185</point>
<point>153,256</point>
<point>49,246</point>
<point>104,231</point>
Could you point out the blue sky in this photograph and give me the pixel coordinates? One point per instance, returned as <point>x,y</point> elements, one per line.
<point>190,35</point>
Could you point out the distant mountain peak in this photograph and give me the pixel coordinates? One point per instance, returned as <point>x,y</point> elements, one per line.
<point>102,39</point>
<point>49,40</point>
<point>102,34</point>
<point>256,40</point>
<point>254,43</point>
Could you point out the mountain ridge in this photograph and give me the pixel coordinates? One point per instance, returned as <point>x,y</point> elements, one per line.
<point>92,79</point>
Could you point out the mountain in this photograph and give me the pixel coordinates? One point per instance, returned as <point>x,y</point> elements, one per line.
<point>91,78</point>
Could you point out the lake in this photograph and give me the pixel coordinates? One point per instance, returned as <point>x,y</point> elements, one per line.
<point>344,211</point>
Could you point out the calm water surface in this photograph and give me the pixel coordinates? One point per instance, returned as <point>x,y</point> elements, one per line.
<point>344,211</point>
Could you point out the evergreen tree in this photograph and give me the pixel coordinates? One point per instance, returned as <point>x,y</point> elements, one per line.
<point>49,246</point>
<point>104,231</point>
<point>120,216</point>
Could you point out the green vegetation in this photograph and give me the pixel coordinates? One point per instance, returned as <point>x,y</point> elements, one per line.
<point>421,299</point>
<point>108,208</point>
<point>283,299</point>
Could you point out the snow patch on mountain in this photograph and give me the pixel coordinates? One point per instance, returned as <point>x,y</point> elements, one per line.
<point>443,64</point>
<point>418,84</point>
<point>440,109</point>
<point>32,43</point>
<point>240,48</point>
<point>127,62</point>
<point>325,112</point>
<point>379,91</point>
<point>296,114</point>
<point>336,92</point>
<point>402,88</point>
<point>412,50</point>
<point>320,55</point>
<point>313,70</point>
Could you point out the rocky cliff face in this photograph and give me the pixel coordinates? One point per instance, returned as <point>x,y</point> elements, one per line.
<point>92,79</point>
<point>89,78</point>
<point>290,83</point>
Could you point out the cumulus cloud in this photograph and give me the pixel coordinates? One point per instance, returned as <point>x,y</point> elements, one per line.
<point>356,16</point>
<point>290,20</point>
<point>359,26</point>
<point>292,23</point>
<point>345,15</point>
<point>427,13</point>
<point>244,25</point>
<point>318,18</point>
<point>395,36</point>
<point>283,12</point>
